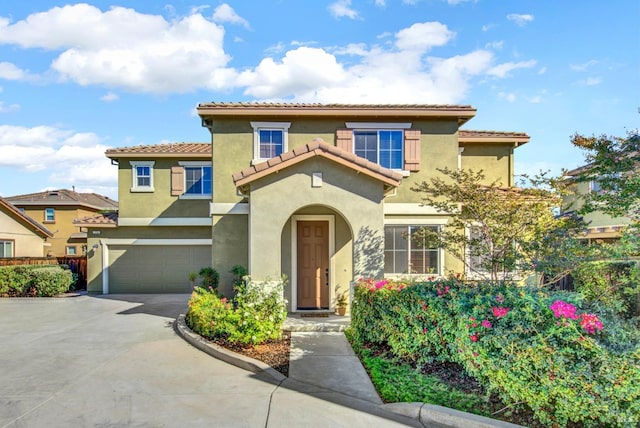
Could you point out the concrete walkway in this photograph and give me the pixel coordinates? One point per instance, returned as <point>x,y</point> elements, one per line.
<point>117,361</point>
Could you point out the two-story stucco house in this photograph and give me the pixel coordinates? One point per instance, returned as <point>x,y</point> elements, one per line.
<point>601,227</point>
<point>56,210</point>
<point>20,235</point>
<point>319,193</point>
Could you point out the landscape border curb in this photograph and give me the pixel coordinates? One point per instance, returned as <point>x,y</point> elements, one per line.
<point>223,354</point>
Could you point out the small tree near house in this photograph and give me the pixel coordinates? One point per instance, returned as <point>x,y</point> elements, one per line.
<point>498,232</point>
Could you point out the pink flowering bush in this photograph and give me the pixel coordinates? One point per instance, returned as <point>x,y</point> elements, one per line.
<point>531,347</point>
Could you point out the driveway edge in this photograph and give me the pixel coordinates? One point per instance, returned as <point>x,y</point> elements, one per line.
<point>223,354</point>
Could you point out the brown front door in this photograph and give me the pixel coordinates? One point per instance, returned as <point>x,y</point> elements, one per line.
<point>313,265</point>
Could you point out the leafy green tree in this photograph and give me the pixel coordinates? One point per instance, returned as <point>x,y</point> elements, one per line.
<point>498,232</point>
<point>614,162</point>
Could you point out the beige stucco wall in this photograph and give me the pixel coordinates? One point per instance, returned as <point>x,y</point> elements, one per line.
<point>26,243</point>
<point>495,160</point>
<point>159,203</point>
<point>596,218</point>
<point>62,227</point>
<point>355,201</point>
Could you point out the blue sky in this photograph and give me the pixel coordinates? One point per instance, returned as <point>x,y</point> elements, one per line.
<point>78,78</point>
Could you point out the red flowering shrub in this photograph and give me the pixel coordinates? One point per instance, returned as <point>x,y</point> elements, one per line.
<point>517,349</point>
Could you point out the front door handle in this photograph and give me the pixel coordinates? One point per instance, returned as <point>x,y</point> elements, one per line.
<point>326,274</point>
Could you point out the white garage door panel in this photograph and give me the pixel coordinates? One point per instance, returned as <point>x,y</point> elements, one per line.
<point>155,269</point>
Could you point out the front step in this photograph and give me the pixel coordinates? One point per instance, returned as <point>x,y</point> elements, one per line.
<point>328,323</point>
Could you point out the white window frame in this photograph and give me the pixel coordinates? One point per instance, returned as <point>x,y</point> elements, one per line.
<point>380,126</point>
<point>134,176</point>
<point>268,126</point>
<point>53,215</point>
<point>195,164</point>
<point>440,224</point>
<point>12,245</point>
<point>75,250</point>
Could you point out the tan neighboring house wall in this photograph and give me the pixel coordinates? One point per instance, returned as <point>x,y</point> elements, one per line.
<point>21,235</point>
<point>57,210</point>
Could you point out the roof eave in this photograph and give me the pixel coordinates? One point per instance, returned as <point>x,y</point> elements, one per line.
<point>500,140</point>
<point>158,155</point>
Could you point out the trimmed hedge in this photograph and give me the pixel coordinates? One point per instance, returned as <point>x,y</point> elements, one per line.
<point>34,280</point>
<point>545,350</point>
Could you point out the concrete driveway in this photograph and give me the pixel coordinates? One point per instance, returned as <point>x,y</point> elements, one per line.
<point>116,360</point>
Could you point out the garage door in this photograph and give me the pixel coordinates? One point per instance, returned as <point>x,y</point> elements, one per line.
<point>155,269</point>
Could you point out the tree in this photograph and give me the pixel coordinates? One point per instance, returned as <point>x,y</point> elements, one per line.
<point>614,163</point>
<point>497,232</point>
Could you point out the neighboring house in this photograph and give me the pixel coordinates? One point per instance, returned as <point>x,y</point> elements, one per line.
<point>56,210</point>
<point>319,193</point>
<point>20,235</point>
<point>600,227</point>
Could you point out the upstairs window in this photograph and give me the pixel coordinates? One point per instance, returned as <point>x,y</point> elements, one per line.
<point>49,215</point>
<point>383,147</point>
<point>197,180</point>
<point>192,180</point>
<point>142,176</point>
<point>270,139</point>
<point>6,248</point>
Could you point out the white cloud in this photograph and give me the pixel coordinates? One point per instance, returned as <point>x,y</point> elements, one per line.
<point>225,13</point>
<point>590,81</point>
<point>423,36</point>
<point>9,71</point>
<point>380,3</point>
<point>509,96</point>
<point>487,27</point>
<point>342,8</point>
<point>73,158</point>
<point>542,70</point>
<point>109,97</point>
<point>496,45</point>
<point>124,48</point>
<point>520,19</point>
<point>583,66</point>
<point>535,100</point>
<point>8,108</point>
<point>502,70</point>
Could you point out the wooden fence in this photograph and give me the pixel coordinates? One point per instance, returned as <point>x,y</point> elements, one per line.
<point>77,264</point>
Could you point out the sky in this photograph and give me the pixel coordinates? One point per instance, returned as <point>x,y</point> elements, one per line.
<point>79,78</point>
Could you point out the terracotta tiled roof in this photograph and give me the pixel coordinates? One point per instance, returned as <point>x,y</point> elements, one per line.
<point>471,136</point>
<point>14,212</point>
<point>162,150</point>
<point>65,197</point>
<point>312,106</point>
<point>379,111</point>
<point>109,219</point>
<point>317,148</point>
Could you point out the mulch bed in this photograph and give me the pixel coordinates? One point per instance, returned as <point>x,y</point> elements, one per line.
<point>274,353</point>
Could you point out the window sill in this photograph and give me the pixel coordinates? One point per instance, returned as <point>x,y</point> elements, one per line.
<point>142,190</point>
<point>195,197</point>
<point>257,161</point>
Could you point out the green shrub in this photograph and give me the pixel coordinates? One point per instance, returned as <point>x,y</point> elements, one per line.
<point>209,279</point>
<point>545,350</point>
<point>616,284</point>
<point>209,315</point>
<point>27,280</point>
<point>50,281</point>
<point>254,316</point>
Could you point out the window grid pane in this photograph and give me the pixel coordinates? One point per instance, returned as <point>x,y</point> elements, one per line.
<point>406,251</point>
<point>271,143</point>
<point>49,214</point>
<point>198,180</point>
<point>143,176</point>
<point>366,145</point>
<point>383,147</point>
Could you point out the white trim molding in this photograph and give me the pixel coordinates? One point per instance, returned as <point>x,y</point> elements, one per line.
<point>294,255</point>
<point>223,208</point>
<point>411,209</point>
<point>165,221</point>
<point>134,176</point>
<point>378,125</point>
<point>276,126</point>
